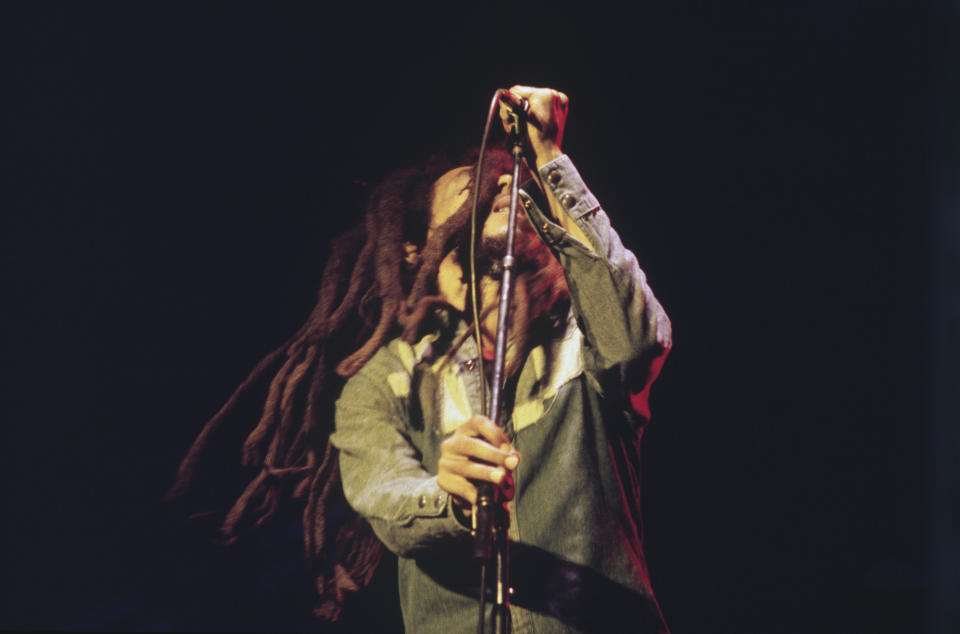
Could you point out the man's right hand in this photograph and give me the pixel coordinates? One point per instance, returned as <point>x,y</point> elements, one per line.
<point>477,451</point>
<point>546,121</point>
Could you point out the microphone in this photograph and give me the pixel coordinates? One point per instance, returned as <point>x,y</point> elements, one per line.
<point>519,105</point>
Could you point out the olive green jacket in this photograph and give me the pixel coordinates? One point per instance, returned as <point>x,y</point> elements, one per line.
<point>578,409</point>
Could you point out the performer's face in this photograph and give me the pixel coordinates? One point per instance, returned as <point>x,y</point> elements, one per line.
<point>450,192</point>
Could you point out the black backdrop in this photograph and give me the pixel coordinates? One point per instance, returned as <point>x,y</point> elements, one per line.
<point>175,170</point>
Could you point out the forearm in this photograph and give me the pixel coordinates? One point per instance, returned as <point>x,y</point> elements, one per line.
<point>554,207</point>
<point>383,478</point>
<point>615,307</point>
<point>407,512</point>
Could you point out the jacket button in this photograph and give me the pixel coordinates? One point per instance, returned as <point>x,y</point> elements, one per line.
<point>422,501</point>
<point>438,502</point>
<point>568,201</point>
<point>553,177</point>
<point>469,365</point>
<point>527,203</point>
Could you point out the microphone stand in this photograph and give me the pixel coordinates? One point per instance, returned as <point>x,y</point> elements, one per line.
<point>491,519</point>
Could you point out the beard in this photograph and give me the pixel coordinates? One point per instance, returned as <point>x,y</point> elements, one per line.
<point>491,252</point>
<point>529,250</point>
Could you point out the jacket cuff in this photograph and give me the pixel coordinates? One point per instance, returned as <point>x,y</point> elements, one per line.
<point>427,500</point>
<point>563,179</point>
<point>577,200</point>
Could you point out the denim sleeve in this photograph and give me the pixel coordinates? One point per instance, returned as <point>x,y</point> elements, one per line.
<point>622,322</point>
<point>382,474</point>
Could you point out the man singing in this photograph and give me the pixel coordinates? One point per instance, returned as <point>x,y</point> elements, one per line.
<point>586,341</point>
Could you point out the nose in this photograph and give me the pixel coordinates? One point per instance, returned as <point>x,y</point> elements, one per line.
<point>503,183</point>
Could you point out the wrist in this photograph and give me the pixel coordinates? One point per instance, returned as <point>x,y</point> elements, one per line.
<point>546,153</point>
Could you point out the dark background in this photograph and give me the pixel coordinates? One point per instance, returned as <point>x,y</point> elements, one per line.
<point>787,177</point>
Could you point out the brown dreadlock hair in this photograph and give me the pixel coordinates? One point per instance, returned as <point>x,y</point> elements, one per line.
<point>368,295</point>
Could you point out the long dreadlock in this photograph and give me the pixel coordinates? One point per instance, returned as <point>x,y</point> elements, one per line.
<point>368,295</point>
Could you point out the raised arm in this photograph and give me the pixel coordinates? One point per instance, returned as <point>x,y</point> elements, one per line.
<point>621,319</point>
